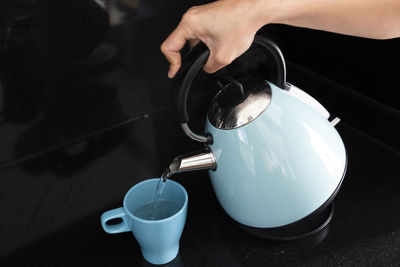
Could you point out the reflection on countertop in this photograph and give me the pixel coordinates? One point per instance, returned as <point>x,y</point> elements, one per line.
<point>65,70</point>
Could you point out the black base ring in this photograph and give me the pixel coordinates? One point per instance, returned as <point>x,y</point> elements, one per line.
<point>302,230</point>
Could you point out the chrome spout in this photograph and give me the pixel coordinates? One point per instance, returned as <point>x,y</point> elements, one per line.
<point>203,160</point>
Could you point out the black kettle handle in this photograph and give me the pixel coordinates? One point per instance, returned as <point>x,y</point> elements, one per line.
<point>196,59</point>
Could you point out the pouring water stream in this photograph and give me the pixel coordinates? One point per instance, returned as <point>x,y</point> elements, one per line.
<point>160,187</point>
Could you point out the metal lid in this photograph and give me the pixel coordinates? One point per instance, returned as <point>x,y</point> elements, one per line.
<point>228,110</point>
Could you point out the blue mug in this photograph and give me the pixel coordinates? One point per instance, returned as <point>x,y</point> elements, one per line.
<point>158,239</point>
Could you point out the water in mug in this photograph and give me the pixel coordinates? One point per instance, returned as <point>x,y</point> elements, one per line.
<point>158,210</point>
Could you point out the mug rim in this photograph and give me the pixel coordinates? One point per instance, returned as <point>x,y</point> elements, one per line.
<point>155,221</point>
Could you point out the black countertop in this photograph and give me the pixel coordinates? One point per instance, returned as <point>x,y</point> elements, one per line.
<point>364,230</point>
<point>84,116</point>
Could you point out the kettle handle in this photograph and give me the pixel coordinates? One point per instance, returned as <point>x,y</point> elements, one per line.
<point>196,59</point>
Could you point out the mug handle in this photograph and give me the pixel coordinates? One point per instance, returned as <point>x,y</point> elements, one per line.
<point>115,228</point>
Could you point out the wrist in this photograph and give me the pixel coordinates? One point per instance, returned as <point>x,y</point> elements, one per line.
<point>270,11</point>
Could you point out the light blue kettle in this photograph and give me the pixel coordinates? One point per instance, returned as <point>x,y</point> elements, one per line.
<point>275,161</point>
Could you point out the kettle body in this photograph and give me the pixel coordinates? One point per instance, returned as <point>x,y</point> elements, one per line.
<point>282,166</point>
<point>275,161</point>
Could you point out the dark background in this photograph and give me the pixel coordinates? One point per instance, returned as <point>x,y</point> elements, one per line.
<point>84,115</point>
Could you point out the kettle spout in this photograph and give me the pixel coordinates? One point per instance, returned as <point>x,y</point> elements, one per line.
<point>201,160</point>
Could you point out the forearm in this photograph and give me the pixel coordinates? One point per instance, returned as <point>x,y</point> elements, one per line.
<point>379,19</point>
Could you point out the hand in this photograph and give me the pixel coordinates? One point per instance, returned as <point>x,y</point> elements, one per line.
<point>227,27</point>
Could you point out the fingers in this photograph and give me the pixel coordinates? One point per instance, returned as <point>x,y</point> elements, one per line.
<point>218,59</point>
<point>193,42</point>
<point>171,49</point>
<point>223,53</point>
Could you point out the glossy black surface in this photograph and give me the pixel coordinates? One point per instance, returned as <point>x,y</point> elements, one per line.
<point>84,116</point>
<point>364,230</point>
<point>70,68</point>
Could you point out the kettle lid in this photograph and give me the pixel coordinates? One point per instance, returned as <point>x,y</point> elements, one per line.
<point>239,102</point>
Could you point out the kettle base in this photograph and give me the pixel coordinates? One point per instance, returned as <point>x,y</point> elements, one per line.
<point>298,230</point>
